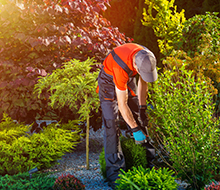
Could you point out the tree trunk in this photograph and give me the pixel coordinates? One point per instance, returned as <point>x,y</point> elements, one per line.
<point>87,142</point>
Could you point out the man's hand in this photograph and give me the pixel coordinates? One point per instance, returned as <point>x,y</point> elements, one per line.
<point>138,135</point>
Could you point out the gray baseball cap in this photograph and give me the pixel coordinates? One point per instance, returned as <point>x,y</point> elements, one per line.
<point>146,64</point>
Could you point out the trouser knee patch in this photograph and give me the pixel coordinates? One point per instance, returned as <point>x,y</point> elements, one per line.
<point>111,139</point>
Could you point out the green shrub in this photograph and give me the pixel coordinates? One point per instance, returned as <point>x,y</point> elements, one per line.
<point>195,28</point>
<point>146,179</point>
<point>20,153</point>
<point>135,155</point>
<point>183,116</point>
<point>22,181</point>
<point>200,40</point>
<point>68,182</point>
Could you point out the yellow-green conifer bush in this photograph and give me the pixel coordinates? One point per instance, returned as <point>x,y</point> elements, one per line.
<point>22,151</point>
<point>166,22</point>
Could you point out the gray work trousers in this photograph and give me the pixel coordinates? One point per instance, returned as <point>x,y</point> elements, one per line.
<point>113,153</point>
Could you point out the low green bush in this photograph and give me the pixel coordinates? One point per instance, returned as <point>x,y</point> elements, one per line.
<point>22,181</point>
<point>21,151</point>
<point>146,179</point>
<point>135,155</point>
<point>102,163</point>
<point>10,130</point>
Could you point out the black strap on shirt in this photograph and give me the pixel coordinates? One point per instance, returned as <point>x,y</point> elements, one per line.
<point>120,62</point>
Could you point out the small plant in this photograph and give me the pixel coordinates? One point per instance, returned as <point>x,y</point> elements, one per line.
<point>135,155</point>
<point>68,182</point>
<point>22,181</point>
<point>213,186</point>
<point>145,179</point>
<point>102,163</point>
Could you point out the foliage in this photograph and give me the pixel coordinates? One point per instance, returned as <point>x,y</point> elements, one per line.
<point>213,186</point>
<point>102,163</point>
<point>71,125</point>
<point>9,130</point>
<point>135,155</point>
<point>73,85</point>
<point>68,182</point>
<point>198,30</point>
<point>198,36</point>
<point>21,151</point>
<point>200,41</point>
<point>167,24</point>
<point>183,119</point>
<point>205,64</point>
<point>22,181</point>
<point>140,178</point>
<point>37,37</point>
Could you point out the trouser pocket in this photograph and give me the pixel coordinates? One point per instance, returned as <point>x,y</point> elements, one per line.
<point>107,92</point>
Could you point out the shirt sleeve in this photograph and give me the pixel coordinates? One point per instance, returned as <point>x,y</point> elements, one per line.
<point>120,78</point>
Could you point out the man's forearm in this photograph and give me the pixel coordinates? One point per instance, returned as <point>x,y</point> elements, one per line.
<point>142,91</point>
<point>127,115</point>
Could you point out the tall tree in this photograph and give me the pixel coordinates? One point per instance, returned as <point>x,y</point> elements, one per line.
<point>38,36</point>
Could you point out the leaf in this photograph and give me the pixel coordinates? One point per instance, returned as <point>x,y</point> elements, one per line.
<point>3,84</point>
<point>33,42</point>
<point>102,6</point>
<point>62,30</point>
<point>33,55</point>
<point>67,39</point>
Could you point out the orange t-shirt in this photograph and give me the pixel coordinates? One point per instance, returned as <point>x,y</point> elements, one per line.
<point>111,67</point>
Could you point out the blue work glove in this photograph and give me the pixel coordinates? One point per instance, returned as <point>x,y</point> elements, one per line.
<point>139,137</point>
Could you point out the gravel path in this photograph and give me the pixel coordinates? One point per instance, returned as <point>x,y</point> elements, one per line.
<point>75,163</point>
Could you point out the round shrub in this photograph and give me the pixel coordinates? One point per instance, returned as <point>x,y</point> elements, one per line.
<point>68,182</point>
<point>213,186</point>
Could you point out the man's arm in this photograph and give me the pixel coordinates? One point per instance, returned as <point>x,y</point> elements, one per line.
<point>122,97</point>
<point>142,91</point>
